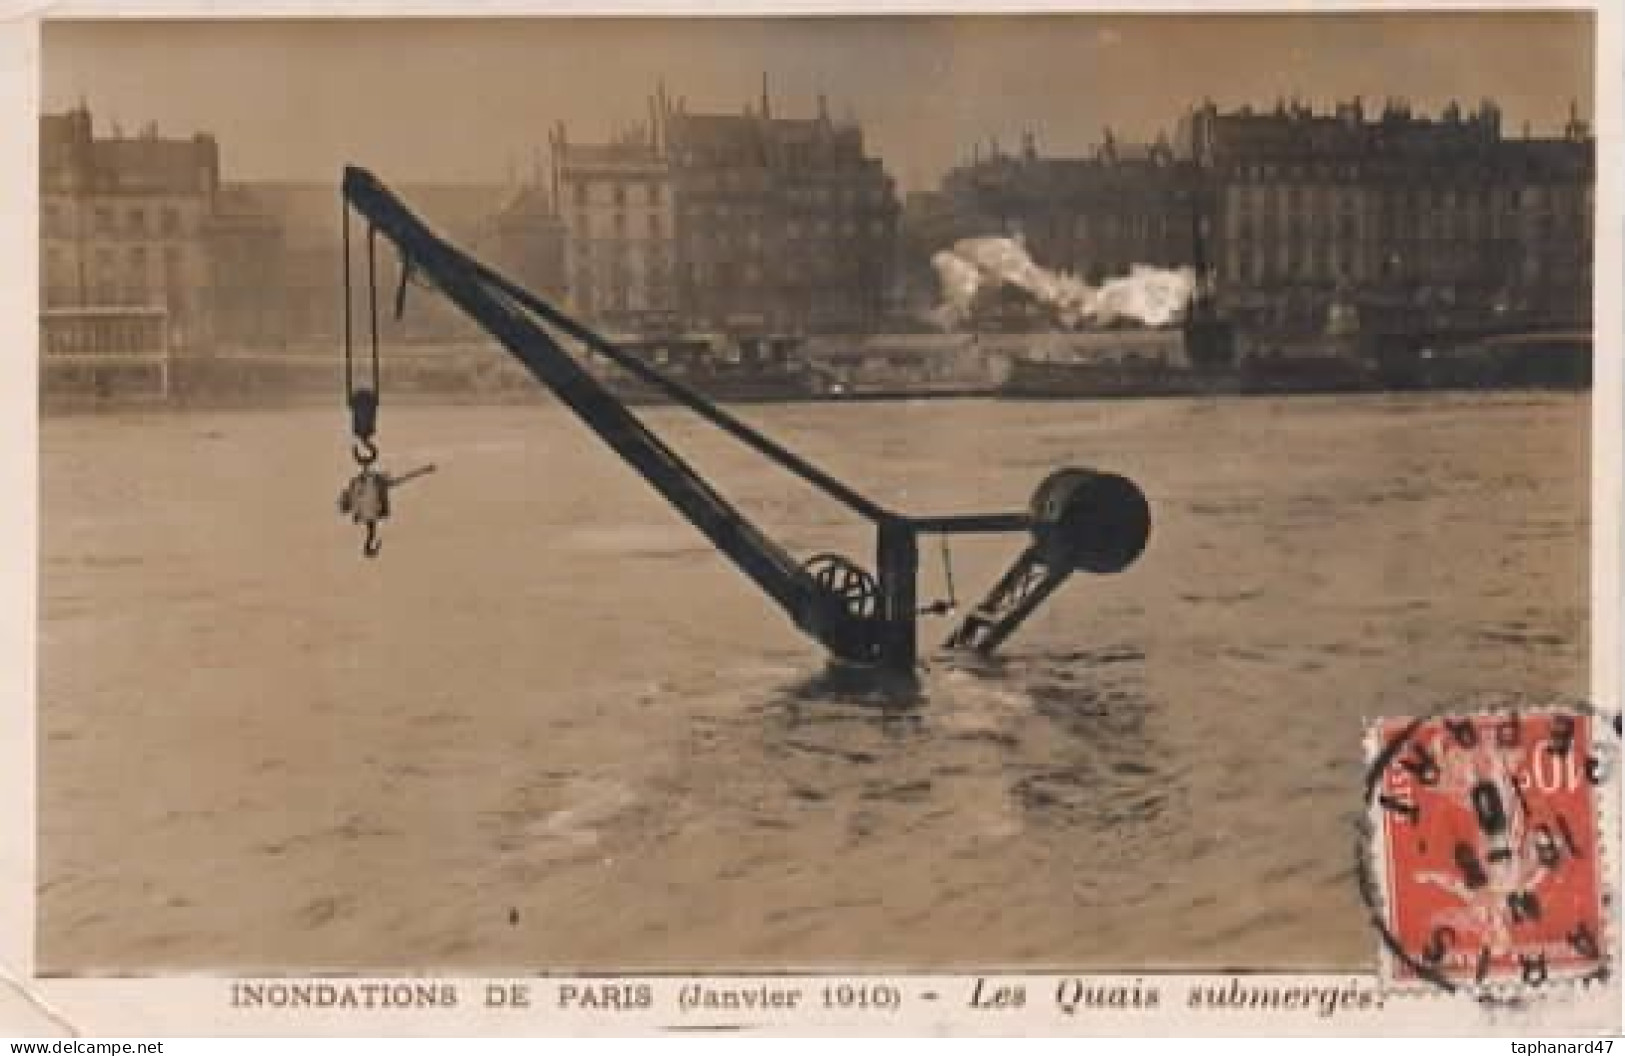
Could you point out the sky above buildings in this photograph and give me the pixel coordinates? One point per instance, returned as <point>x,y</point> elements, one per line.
<point>471,100</point>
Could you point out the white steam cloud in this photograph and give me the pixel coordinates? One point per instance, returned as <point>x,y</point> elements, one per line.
<point>1149,295</point>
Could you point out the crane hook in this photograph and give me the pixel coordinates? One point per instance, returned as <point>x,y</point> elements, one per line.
<point>366,500</point>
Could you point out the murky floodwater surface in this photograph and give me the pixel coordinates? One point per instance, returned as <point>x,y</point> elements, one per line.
<point>550,728</point>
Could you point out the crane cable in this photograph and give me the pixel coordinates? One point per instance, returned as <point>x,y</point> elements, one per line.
<point>945,606</point>
<point>366,497</point>
<point>362,401</point>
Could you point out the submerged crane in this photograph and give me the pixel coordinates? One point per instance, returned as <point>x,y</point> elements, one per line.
<point>1078,520</point>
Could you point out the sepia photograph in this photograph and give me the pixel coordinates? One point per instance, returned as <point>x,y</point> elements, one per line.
<point>894,493</point>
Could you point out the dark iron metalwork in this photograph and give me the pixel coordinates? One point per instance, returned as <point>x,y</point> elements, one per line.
<point>1080,519</point>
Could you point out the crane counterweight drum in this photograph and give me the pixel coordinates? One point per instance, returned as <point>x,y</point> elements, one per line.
<point>1090,521</point>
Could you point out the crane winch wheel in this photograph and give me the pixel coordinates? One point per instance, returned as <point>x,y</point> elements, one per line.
<point>848,581</point>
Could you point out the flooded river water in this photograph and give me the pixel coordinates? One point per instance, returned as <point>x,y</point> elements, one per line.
<point>549,728</point>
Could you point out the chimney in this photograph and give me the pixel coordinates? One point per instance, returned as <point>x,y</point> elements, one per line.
<point>1576,129</point>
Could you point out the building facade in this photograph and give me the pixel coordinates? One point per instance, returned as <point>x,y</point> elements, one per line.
<point>125,222</point>
<point>1093,216</point>
<point>738,222</point>
<point>619,247</point>
<point>1443,220</point>
<point>784,223</point>
<point>1305,220</point>
<point>146,222</point>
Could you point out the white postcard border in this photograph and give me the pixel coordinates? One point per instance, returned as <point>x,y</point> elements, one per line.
<point>204,1005</point>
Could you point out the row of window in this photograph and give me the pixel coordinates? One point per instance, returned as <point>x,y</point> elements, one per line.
<point>130,337</point>
<point>618,193</point>
<point>623,193</point>
<point>56,219</point>
<point>785,272</point>
<point>1260,269</point>
<point>840,241</point>
<point>654,226</point>
<point>812,194</point>
<point>625,298</point>
<point>102,290</point>
<point>1456,168</point>
<point>1264,172</point>
<point>601,257</point>
<point>1425,228</point>
<point>1136,226</point>
<point>792,236</point>
<point>1268,197</point>
<point>1296,195</point>
<point>722,219</point>
<point>1320,263</point>
<point>613,279</point>
<point>135,259</point>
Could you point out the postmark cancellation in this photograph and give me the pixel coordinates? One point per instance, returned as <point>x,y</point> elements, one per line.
<point>1486,854</point>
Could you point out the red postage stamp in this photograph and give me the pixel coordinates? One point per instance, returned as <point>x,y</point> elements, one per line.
<point>1486,849</point>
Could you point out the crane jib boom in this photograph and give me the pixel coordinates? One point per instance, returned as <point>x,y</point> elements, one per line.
<point>494,308</point>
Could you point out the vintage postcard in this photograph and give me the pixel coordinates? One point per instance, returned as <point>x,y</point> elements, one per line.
<point>1075,521</point>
